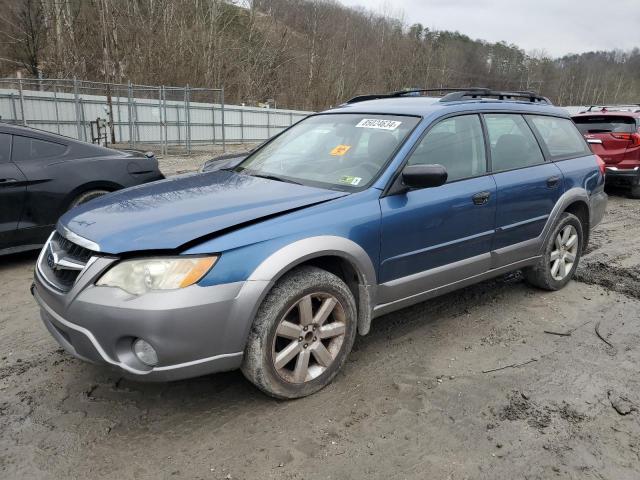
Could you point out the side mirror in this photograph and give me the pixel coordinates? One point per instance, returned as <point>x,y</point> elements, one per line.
<point>424,176</point>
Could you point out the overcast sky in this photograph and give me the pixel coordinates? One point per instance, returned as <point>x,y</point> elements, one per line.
<point>557,26</point>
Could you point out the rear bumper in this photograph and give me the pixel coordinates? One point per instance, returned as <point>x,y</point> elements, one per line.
<point>623,176</point>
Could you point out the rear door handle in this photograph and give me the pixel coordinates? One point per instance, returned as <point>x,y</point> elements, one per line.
<point>553,182</point>
<point>481,198</point>
<point>7,181</point>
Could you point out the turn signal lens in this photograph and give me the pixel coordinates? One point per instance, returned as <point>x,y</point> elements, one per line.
<point>198,270</point>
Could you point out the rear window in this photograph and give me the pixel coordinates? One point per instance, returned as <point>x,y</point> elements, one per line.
<point>605,124</point>
<point>560,136</point>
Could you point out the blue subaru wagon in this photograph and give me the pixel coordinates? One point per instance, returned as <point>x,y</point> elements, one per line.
<point>274,264</point>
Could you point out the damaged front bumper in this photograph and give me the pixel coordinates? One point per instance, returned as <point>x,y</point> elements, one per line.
<point>194,331</point>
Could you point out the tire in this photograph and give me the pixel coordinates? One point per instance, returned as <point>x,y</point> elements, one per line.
<point>86,196</point>
<point>542,274</point>
<point>300,297</point>
<point>635,192</point>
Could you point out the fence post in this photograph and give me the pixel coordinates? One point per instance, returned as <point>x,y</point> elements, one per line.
<point>24,122</point>
<point>76,99</point>
<point>224,147</point>
<point>136,124</point>
<point>187,118</point>
<point>213,118</point>
<point>55,106</point>
<point>118,102</point>
<point>241,125</point>
<point>268,124</point>
<point>83,121</point>
<point>13,108</point>
<point>290,118</point>
<point>160,118</point>
<point>130,112</point>
<point>178,123</point>
<point>166,129</point>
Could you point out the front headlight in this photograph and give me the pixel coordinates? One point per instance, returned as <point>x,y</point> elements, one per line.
<point>141,276</point>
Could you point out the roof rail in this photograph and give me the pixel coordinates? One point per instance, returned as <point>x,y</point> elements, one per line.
<point>457,94</point>
<point>500,95</point>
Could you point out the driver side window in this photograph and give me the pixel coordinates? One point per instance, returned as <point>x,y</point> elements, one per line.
<point>457,144</point>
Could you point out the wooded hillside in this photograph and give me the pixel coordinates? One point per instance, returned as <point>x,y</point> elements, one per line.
<point>307,54</point>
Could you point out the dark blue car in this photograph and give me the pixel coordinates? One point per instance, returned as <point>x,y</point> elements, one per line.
<point>274,264</point>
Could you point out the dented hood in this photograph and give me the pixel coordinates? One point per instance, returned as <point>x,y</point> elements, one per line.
<point>170,213</point>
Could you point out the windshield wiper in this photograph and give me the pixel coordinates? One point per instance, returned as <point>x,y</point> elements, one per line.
<point>274,177</point>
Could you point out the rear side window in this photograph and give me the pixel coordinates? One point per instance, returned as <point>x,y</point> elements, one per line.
<point>513,144</point>
<point>605,124</point>
<point>560,136</point>
<point>5,147</point>
<point>26,148</point>
<point>455,143</point>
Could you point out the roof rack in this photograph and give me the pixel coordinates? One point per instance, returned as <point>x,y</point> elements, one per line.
<point>399,93</point>
<point>458,94</point>
<point>498,94</point>
<point>634,107</point>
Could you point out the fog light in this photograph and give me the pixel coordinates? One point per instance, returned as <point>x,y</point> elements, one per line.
<point>145,352</point>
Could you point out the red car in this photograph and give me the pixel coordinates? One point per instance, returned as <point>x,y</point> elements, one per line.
<point>613,133</point>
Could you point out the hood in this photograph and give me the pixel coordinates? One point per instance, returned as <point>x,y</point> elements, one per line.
<point>170,213</point>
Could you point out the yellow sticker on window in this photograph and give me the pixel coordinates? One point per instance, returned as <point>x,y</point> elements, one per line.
<point>340,150</point>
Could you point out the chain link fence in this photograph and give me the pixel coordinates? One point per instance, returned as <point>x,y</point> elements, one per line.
<point>138,115</point>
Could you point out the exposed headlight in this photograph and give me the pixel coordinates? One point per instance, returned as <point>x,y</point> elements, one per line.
<point>141,276</point>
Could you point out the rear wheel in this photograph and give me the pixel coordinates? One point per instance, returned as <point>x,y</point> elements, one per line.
<point>86,196</point>
<point>302,334</point>
<point>560,257</point>
<point>635,191</point>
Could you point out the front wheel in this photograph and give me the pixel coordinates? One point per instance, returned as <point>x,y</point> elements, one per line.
<point>301,335</point>
<point>560,257</point>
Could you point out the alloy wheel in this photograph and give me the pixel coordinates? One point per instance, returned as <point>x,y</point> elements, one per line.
<point>309,337</point>
<point>565,252</point>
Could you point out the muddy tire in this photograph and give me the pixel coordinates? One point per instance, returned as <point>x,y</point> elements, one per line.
<point>635,192</point>
<point>560,256</point>
<point>302,334</point>
<point>86,196</point>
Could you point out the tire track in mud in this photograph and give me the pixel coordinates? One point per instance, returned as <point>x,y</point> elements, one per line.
<point>611,277</point>
<point>612,258</point>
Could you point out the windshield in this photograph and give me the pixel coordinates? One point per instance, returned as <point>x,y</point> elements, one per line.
<point>342,151</point>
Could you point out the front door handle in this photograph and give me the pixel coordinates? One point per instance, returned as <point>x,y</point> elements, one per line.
<point>7,181</point>
<point>552,182</point>
<point>481,198</point>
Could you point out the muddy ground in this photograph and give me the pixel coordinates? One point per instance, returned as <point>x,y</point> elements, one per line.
<point>416,399</point>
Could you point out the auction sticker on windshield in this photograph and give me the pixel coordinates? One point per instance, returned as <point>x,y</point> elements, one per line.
<point>378,123</point>
<point>350,180</point>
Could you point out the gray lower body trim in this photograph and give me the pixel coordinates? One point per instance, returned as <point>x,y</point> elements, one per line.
<point>410,285</point>
<point>440,290</point>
